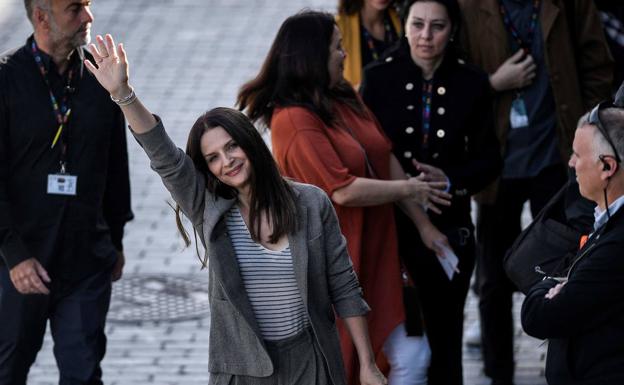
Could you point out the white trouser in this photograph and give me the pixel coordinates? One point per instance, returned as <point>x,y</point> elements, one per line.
<point>408,357</point>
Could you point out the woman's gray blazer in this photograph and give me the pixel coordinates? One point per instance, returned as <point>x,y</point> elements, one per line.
<point>323,269</point>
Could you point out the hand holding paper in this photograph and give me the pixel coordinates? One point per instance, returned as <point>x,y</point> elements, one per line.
<point>448,260</point>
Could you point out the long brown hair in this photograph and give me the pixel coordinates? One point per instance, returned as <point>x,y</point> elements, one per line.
<point>270,193</point>
<point>295,72</point>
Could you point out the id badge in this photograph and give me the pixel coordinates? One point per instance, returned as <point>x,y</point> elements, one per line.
<point>62,184</point>
<point>518,117</point>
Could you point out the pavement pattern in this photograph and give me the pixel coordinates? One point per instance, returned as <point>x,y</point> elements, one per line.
<point>187,56</point>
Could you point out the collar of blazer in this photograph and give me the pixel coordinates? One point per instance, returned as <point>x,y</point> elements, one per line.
<point>225,263</point>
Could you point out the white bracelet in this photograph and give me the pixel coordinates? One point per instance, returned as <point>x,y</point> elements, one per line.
<point>131,98</point>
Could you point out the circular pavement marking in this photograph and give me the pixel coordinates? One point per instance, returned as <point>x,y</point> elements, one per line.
<point>163,297</point>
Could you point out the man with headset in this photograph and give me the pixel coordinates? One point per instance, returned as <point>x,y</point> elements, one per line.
<point>582,314</point>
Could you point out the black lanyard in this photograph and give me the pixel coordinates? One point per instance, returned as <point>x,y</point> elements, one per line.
<point>525,45</point>
<point>61,110</point>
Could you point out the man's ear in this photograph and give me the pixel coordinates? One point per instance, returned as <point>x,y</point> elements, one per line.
<point>41,18</point>
<point>609,166</point>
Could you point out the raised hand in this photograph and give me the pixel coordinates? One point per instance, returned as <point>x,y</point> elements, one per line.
<point>111,66</point>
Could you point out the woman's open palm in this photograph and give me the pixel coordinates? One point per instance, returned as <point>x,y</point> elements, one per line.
<point>112,65</point>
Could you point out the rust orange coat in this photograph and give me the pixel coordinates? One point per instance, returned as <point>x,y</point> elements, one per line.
<point>309,151</point>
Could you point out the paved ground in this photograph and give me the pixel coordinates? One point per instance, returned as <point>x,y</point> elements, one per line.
<point>187,56</point>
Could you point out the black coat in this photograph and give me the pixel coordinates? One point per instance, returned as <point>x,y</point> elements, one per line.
<point>462,141</point>
<point>585,321</point>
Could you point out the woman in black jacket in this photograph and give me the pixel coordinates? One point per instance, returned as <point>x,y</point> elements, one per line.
<point>437,112</point>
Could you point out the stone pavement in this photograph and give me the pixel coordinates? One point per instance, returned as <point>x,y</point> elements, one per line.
<point>186,56</point>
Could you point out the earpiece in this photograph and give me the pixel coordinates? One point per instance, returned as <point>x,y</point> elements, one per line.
<point>605,165</point>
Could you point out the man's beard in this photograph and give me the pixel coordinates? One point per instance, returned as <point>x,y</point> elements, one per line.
<point>78,39</point>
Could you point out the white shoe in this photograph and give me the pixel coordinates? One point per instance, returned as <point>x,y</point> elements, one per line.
<point>472,335</point>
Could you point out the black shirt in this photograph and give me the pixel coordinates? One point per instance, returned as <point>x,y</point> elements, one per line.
<point>78,232</point>
<point>531,149</point>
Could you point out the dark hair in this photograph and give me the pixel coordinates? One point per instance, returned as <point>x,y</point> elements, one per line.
<point>295,72</point>
<point>349,7</point>
<point>270,193</point>
<point>453,11</point>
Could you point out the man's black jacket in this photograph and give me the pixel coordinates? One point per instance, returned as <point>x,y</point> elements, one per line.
<point>585,321</point>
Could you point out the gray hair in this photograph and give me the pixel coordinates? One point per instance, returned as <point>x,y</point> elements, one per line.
<point>612,120</point>
<point>30,6</point>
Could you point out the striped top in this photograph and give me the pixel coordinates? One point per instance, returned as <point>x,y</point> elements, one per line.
<point>269,280</point>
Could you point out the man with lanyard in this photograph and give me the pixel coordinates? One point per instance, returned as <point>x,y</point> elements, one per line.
<point>548,63</point>
<point>582,314</point>
<point>64,197</point>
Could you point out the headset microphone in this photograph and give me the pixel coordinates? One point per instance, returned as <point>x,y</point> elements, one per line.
<point>605,166</point>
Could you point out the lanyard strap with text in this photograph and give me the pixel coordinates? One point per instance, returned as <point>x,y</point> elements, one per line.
<point>525,45</point>
<point>62,112</point>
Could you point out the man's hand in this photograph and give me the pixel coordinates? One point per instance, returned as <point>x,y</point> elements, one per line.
<point>27,277</point>
<point>119,265</point>
<point>516,72</point>
<point>552,293</point>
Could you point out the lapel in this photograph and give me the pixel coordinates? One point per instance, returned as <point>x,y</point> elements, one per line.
<point>549,14</point>
<point>223,258</point>
<point>299,250</point>
<point>226,267</point>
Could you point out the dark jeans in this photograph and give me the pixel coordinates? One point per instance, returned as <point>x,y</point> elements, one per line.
<point>498,225</point>
<point>77,314</point>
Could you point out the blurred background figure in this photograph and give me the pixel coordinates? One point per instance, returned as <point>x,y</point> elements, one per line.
<point>324,135</point>
<point>418,94</point>
<point>548,62</point>
<point>368,28</point>
<point>612,15</point>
